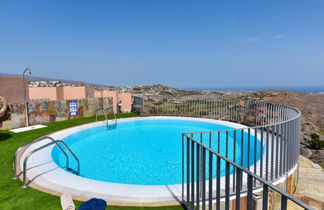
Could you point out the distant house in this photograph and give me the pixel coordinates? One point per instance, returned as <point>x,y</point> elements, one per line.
<point>60,93</point>
<point>122,102</point>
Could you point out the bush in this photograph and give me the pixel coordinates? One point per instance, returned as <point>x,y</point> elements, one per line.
<point>315,142</point>
<point>314,136</point>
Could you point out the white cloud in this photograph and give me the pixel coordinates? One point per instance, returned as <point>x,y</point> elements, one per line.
<point>277,37</point>
<point>251,39</point>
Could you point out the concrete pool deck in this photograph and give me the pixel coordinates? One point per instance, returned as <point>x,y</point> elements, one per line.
<point>44,174</point>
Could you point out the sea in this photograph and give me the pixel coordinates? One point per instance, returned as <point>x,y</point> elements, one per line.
<point>250,89</point>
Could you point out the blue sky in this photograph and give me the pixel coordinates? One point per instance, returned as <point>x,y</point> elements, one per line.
<point>180,43</point>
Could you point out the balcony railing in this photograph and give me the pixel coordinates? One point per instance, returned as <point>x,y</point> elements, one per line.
<point>236,163</point>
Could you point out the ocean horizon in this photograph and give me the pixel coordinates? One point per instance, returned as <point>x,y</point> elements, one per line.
<point>247,89</point>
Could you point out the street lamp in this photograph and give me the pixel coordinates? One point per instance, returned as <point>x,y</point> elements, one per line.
<point>25,95</point>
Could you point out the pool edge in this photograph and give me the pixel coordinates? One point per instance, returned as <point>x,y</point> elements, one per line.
<point>171,200</point>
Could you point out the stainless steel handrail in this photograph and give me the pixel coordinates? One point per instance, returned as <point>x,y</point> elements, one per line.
<point>105,113</point>
<point>115,118</point>
<point>42,147</point>
<point>75,157</point>
<point>29,144</point>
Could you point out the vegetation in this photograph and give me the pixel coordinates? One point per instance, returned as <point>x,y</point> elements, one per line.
<point>12,196</point>
<point>81,84</point>
<point>315,142</point>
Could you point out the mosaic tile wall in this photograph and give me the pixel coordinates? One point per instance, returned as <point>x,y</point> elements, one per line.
<point>42,111</point>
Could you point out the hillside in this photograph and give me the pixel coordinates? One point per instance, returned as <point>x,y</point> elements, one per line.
<point>310,104</point>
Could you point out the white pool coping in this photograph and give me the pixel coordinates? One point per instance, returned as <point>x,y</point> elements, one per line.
<point>44,172</point>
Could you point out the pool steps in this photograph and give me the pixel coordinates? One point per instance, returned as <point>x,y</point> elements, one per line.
<point>106,118</point>
<point>52,141</point>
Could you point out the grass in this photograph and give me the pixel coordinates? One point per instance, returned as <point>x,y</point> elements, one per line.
<point>12,196</point>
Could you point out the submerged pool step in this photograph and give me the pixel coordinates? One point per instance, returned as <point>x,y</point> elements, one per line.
<point>72,171</point>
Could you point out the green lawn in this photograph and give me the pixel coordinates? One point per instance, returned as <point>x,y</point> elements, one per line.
<point>12,196</point>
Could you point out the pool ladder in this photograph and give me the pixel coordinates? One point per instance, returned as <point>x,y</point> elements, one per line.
<point>52,141</point>
<point>105,110</point>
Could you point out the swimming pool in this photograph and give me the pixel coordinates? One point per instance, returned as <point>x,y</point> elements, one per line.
<point>144,151</point>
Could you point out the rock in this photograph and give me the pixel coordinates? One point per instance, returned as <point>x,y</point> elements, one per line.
<point>305,152</point>
<point>318,156</point>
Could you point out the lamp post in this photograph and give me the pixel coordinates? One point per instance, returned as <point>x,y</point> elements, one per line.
<point>25,95</point>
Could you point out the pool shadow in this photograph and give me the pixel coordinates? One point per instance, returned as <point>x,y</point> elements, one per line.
<point>173,194</point>
<point>177,198</point>
<point>5,136</point>
<point>29,181</point>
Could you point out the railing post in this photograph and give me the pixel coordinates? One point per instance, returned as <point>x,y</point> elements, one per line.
<point>249,147</point>
<point>265,197</point>
<point>227,185</point>
<point>218,186</point>
<point>188,171</point>
<point>267,153</point>
<point>192,174</point>
<point>250,189</point>
<point>238,188</point>
<point>234,157</point>
<point>182,168</point>
<point>283,202</point>
<point>210,182</point>
<point>197,176</point>
<point>203,197</point>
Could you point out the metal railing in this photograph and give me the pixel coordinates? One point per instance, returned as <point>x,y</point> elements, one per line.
<point>203,185</point>
<point>16,175</point>
<point>105,111</point>
<point>52,141</point>
<point>239,160</point>
<point>105,114</point>
<point>250,112</point>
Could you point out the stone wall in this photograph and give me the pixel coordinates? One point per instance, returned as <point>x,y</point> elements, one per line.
<point>43,111</point>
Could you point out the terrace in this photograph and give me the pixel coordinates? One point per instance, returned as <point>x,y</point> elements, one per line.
<point>214,176</point>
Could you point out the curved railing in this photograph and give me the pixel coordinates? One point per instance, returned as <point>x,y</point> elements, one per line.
<point>251,112</point>
<point>238,160</point>
<point>56,142</point>
<point>270,138</point>
<point>18,151</point>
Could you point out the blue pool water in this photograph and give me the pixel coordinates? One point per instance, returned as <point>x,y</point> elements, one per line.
<point>144,152</point>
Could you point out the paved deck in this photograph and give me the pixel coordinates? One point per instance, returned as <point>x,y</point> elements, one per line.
<point>310,187</point>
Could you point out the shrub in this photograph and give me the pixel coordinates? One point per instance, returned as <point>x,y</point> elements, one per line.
<point>315,142</point>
